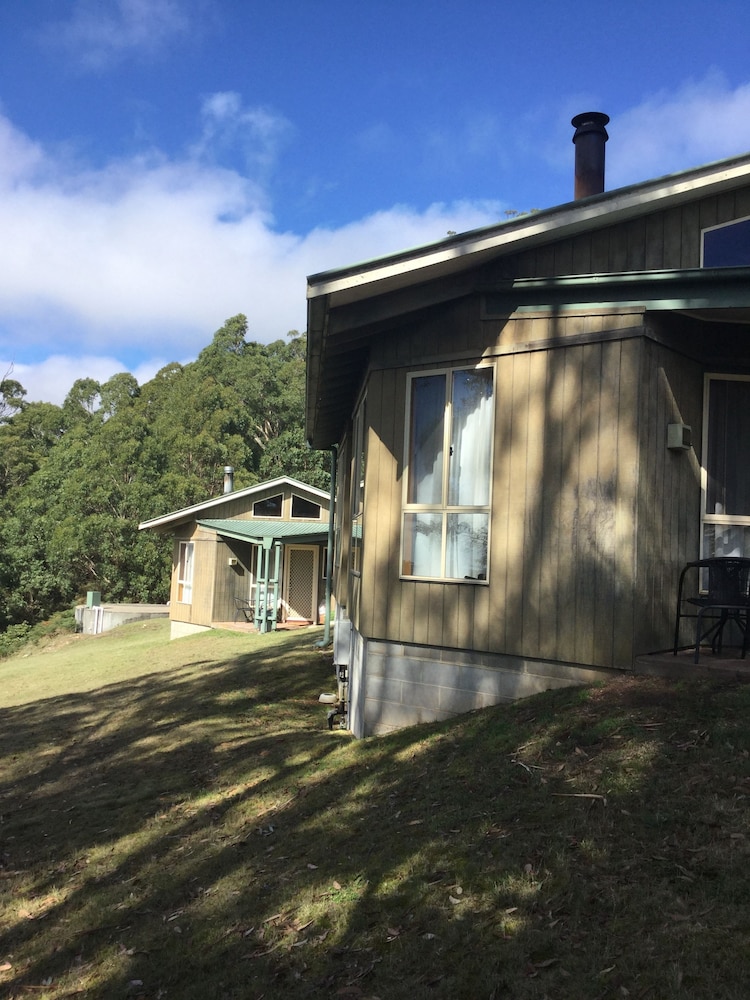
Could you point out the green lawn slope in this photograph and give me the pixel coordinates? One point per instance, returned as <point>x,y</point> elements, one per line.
<point>177,821</point>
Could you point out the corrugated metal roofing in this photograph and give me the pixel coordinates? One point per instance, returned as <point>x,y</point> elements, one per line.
<point>257,529</point>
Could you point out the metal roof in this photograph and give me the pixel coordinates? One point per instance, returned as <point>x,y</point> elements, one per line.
<point>260,528</point>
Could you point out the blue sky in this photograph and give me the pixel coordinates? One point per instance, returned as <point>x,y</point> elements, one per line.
<point>166,164</point>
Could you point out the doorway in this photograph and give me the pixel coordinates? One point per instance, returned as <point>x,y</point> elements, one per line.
<point>301,582</point>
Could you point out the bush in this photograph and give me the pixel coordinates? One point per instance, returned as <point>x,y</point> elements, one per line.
<point>15,637</point>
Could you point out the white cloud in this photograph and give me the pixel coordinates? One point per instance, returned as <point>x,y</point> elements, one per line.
<point>143,259</point>
<point>704,120</point>
<point>98,33</point>
<point>257,133</point>
<point>50,380</point>
<point>149,256</point>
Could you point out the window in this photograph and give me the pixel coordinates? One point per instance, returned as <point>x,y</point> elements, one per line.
<point>185,573</point>
<point>726,473</point>
<point>305,508</point>
<point>270,507</point>
<point>446,516</point>
<point>358,488</point>
<point>726,245</point>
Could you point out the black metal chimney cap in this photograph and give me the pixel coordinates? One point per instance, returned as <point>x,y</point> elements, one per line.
<point>590,121</point>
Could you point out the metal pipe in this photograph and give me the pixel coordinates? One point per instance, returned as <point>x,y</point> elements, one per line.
<point>589,139</point>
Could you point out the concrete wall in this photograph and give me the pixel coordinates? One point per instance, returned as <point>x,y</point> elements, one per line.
<point>404,684</point>
<point>103,617</point>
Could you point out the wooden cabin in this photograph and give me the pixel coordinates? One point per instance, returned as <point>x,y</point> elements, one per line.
<point>255,556</point>
<point>537,425</point>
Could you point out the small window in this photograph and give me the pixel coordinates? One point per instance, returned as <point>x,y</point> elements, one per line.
<point>270,507</point>
<point>185,573</point>
<point>727,245</point>
<point>305,508</point>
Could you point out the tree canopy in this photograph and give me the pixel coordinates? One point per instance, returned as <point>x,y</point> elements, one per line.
<point>76,479</point>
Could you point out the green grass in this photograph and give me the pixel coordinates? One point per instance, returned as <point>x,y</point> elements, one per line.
<point>176,821</point>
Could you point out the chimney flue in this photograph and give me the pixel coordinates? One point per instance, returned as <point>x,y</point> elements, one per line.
<point>590,137</point>
<point>228,479</point>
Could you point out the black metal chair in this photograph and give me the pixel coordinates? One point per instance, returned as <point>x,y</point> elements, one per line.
<point>722,595</point>
<point>243,609</point>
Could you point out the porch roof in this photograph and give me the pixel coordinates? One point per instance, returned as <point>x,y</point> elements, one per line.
<point>258,529</point>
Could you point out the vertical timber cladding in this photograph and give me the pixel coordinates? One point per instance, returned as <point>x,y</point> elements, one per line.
<point>564,501</point>
<point>669,238</point>
<point>565,474</point>
<point>198,609</point>
<point>668,490</point>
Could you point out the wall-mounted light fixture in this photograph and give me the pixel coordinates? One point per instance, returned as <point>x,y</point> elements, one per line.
<point>679,437</point>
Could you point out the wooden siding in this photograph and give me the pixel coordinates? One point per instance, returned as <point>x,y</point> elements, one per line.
<point>592,516</point>
<point>665,239</point>
<point>341,580</point>
<point>241,508</point>
<point>668,529</point>
<point>562,557</point>
<point>231,582</point>
<point>199,611</point>
<point>216,583</point>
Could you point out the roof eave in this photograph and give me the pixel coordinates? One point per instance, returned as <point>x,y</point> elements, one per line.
<point>165,522</point>
<point>360,281</point>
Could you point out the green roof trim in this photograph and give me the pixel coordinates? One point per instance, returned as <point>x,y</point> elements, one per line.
<point>691,288</point>
<point>260,528</point>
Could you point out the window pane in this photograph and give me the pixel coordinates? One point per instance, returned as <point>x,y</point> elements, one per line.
<point>304,508</point>
<point>426,439</point>
<point>466,546</point>
<point>185,573</point>
<point>726,540</point>
<point>471,441</point>
<point>355,557</point>
<point>270,507</point>
<point>728,472</point>
<point>423,544</point>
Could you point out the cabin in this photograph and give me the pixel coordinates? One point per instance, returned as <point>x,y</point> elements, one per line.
<point>254,556</point>
<point>537,425</point>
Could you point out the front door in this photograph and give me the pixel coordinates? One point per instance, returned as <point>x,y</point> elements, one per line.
<point>301,582</point>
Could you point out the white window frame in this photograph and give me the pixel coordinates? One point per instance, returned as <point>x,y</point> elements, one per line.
<point>727,521</point>
<point>305,517</point>
<point>185,560</point>
<point>262,515</point>
<point>444,509</point>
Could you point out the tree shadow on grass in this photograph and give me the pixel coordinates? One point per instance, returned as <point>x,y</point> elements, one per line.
<point>202,833</point>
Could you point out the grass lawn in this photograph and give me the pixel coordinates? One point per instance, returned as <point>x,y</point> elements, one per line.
<point>176,821</point>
